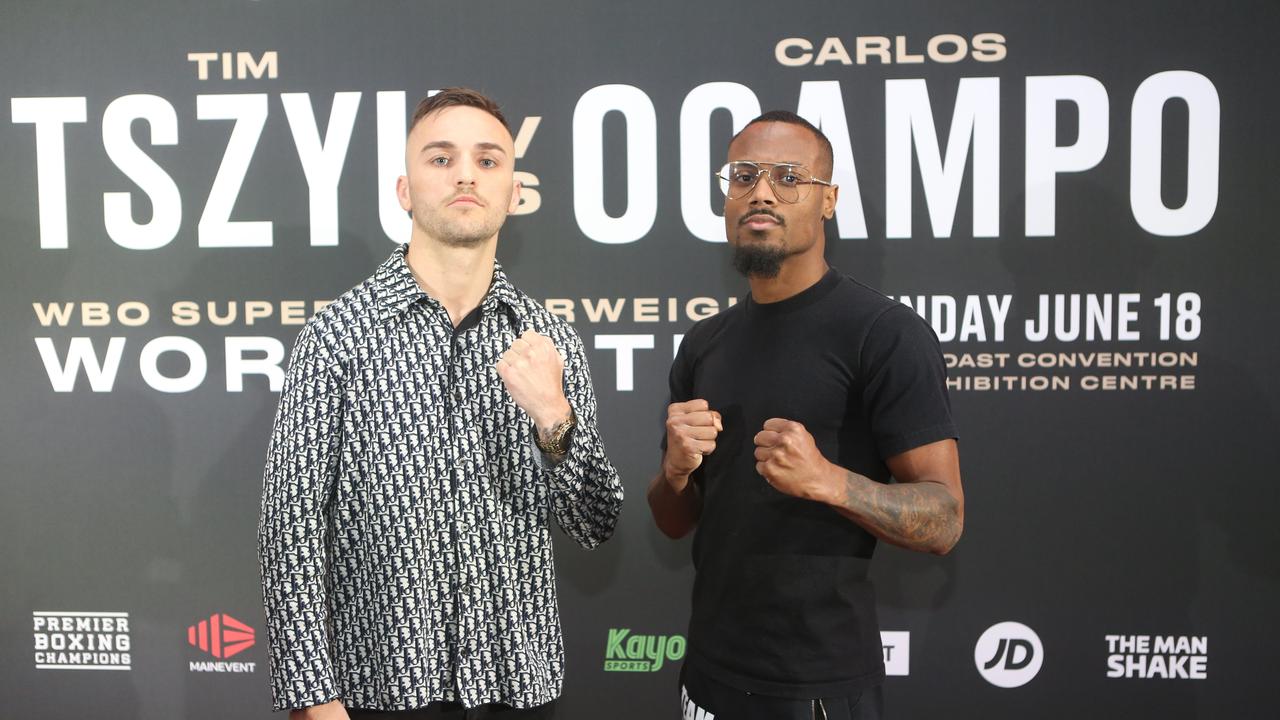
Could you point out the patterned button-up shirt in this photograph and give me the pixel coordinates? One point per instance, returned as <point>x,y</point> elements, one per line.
<point>404,541</point>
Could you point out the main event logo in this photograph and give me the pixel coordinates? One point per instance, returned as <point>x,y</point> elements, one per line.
<point>223,637</point>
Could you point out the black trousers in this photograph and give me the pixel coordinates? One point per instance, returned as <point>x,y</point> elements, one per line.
<point>705,698</point>
<point>455,711</point>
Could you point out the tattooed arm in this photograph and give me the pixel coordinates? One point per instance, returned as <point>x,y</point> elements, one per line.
<point>923,511</point>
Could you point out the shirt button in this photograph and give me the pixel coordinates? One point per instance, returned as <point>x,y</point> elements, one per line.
<point>457,395</point>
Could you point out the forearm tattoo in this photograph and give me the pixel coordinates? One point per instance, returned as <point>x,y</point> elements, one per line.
<point>917,516</point>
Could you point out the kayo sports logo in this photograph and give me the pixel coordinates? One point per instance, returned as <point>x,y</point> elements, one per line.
<point>625,652</point>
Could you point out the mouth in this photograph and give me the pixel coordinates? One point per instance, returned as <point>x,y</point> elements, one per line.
<point>466,200</point>
<point>760,220</point>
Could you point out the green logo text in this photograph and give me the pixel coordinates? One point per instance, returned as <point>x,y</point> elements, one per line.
<point>640,653</point>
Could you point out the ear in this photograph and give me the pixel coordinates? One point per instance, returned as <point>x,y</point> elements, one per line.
<point>402,193</point>
<point>829,201</point>
<point>515,196</point>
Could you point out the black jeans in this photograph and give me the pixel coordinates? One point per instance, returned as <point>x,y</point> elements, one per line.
<point>703,697</point>
<point>455,711</point>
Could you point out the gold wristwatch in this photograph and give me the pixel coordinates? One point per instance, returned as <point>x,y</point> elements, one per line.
<point>557,442</point>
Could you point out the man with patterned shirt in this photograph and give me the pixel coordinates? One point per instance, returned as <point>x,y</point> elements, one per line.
<point>432,418</point>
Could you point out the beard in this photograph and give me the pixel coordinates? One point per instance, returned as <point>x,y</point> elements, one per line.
<point>456,234</point>
<point>762,261</point>
<point>468,230</point>
<point>757,259</point>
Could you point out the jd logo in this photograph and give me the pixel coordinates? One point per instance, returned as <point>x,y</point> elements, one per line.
<point>640,653</point>
<point>1015,646</point>
<point>1008,654</point>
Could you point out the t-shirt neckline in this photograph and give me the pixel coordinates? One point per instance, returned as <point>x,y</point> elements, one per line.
<point>802,299</point>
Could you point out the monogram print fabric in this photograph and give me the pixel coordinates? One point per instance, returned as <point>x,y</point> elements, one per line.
<point>404,540</point>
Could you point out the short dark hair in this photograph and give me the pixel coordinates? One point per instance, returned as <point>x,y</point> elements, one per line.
<point>458,97</point>
<point>827,156</point>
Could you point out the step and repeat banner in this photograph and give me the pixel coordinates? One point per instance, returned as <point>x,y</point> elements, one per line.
<point>1079,197</point>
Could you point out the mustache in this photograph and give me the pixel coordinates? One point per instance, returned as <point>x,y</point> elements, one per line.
<point>761,211</point>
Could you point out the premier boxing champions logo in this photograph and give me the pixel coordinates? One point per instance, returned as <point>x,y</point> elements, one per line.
<point>82,640</point>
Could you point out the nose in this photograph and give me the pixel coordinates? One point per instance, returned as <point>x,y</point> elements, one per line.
<point>762,193</point>
<point>464,173</point>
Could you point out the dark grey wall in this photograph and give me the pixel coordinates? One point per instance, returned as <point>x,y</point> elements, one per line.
<point>1091,512</point>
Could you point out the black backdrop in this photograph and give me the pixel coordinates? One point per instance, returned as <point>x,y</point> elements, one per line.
<point>1119,473</point>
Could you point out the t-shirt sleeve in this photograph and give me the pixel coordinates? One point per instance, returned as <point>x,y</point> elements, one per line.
<point>680,379</point>
<point>904,383</point>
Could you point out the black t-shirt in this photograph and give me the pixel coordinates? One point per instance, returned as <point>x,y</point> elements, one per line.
<point>781,600</point>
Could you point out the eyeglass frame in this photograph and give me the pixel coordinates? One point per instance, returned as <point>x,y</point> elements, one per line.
<point>763,170</point>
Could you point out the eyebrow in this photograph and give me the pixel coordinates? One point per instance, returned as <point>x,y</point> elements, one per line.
<point>491,146</point>
<point>779,162</point>
<point>447,145</point>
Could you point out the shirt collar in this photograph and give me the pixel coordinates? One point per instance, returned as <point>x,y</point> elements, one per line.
<point>398,290</point>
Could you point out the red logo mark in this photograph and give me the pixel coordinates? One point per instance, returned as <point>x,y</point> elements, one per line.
<point>222,636</point>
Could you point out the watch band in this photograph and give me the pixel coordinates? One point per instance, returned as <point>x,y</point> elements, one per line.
<point>557,442</point>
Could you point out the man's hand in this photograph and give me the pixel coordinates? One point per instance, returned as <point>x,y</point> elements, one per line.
<point>333,710</point>
<point>533,372</point>
<point>692,428</point>
<point>788,458</point>
<point>923,510</point>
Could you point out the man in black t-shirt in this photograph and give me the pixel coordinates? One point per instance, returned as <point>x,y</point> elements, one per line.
<point>790,413</point>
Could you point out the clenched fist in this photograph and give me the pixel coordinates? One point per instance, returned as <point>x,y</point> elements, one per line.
<point>692,428</point>
<point>788,458</point>
<point>533,372</point>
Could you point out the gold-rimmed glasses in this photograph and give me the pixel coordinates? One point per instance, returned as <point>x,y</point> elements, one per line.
<point>790,182</point>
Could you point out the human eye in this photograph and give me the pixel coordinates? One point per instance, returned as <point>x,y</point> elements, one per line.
<point>439,161</point>
<point>743,173</point>
<point>488,163</point>
<point>789,176</point>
